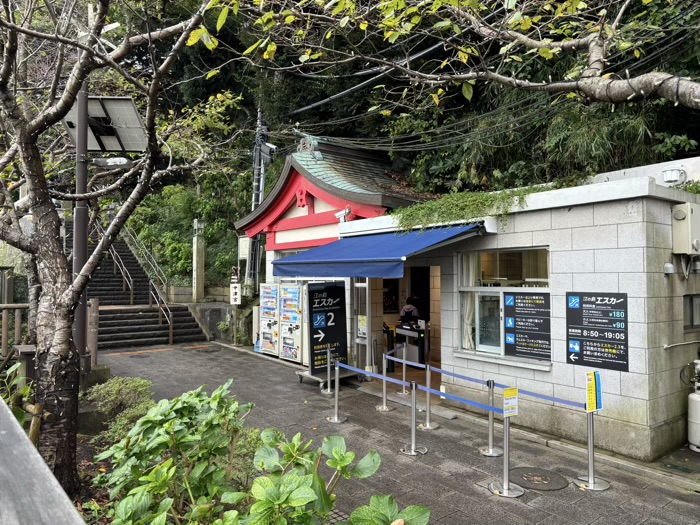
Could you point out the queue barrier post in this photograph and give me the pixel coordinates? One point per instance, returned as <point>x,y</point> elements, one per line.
<point>328,390</point>
<point>428,425</point>
<point>383,407</point>
<point>413,450</point>
<point>590,482</point>
<point>403,391</point>
<point>335,419</point>
<point>490,450</point>
<point>506,489</point>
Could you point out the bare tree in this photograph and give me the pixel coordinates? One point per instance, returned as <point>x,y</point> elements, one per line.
<point>41,73</point>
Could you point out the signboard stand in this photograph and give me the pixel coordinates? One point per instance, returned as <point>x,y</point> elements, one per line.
<point>510,409</point>
<point>594,403</point>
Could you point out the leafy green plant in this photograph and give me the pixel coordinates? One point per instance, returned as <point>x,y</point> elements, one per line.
<point>383,510</point>
<point>222,326</point>
<point>12,387</point>
<point>190,460</point>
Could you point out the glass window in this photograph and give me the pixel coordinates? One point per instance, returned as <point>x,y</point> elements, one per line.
<point>691,312</point>
<point>481,306</point>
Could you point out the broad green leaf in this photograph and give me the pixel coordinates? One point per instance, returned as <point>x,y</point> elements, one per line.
<point>363,25</point>
<point>223,16</point>
<point>344,21</point>
<point>301,497</point>
<point>21,416</point>
<point>160,519</point>
<point>268,458</point>
<point>436,99</point>
<point>332,445</point>
<point>210,42</point>
<point>213,73</point>
<point>625,45</point>
<point>272,437</point>
<point>468,91</point>
<point>289,19</point>
<point>362,516</point>
<point>270,51</point>
<point>233,498</point>
<point>384,506</point>
<point>260,487</point>
<point>231,517</point>
<point>253,47</point>
<point>415,515</point>
<point>324,503</point>
<point>304,58</point>
<point>510,4</point>
<point>367,466</point>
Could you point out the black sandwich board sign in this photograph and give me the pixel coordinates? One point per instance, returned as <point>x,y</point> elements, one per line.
<point>596,330</point>
<point>527,325</point>
<point>327,327</point>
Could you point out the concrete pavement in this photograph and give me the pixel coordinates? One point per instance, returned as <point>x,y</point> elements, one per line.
<point>451,479</point>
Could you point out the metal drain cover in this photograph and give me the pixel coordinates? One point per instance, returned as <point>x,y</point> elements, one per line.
<point>537,479</point>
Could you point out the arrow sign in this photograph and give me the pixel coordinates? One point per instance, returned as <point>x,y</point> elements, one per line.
<point>320,335</point>
<point>573,357</point>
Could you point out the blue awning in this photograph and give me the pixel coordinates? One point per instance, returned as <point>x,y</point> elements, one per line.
<point>380,255</point>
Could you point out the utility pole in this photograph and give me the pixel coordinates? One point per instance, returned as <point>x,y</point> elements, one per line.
<point>252,269</point>
<point>80,223</point>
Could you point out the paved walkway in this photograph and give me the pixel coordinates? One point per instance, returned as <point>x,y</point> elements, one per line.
<point>451,479</point>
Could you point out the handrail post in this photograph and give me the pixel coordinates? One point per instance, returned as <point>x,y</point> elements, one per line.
<point>172,328</point>
<point>5,334</point>
<point>18,326</point>
<point>590,482</point>
<point>413,450</point>
<point>328,390</point>
<point>507,489</point>
<point>335,419</point>
<point>491,451</point>
<point>383,407</point>
<point>403,391</point>
<point>427,425</point>
<point>150,293</point>
<point>132,294</point>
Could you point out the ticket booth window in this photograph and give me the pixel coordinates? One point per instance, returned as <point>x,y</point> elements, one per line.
<point>484,278</point>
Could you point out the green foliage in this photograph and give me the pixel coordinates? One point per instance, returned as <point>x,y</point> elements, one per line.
<point>13,386</point>
<point>124,400</point>
<point>383,510</point>
<point>462,206</point>
<point>671,145</point>
<point>190,460</point>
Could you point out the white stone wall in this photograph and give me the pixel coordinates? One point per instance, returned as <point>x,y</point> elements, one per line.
<point>605,247</point>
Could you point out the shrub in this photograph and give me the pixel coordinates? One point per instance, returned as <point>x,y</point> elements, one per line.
<point>124,400</point>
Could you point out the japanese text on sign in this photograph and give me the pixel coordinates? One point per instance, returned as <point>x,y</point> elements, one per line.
<point>527,325</point>
<point>327,326</point>
<point>596,330</point>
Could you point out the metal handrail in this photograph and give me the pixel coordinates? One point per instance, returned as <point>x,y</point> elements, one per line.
<point>144,256</point>
<point>163,308</point>
<point>123,270</point>
<point>153,291</point>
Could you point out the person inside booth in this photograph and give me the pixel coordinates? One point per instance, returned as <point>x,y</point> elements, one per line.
<point>409,313</point>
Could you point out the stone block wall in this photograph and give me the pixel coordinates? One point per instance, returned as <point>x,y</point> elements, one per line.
<point>618,246</point>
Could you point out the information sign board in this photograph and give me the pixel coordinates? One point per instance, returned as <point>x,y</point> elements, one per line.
<point>527,325</point>
<point>594,392</point>
<point>327,326</point>
<point>596,330</point>
<point>510,402</point>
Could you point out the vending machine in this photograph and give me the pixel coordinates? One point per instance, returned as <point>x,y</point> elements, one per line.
<point>291,320</point>
<point>269,318</point>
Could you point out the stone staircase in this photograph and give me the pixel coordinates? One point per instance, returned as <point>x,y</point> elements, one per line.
<point>123,324</point>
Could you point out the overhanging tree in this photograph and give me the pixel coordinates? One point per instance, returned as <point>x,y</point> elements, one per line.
<point>608,51</point>
<point>41,73</point>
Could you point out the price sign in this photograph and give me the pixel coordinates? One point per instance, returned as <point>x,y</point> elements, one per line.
<point>594,392</point>
<point>596,330</point>
<point>510,402</point>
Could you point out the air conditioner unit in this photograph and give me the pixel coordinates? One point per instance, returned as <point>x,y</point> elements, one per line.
<point>686,229</point>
